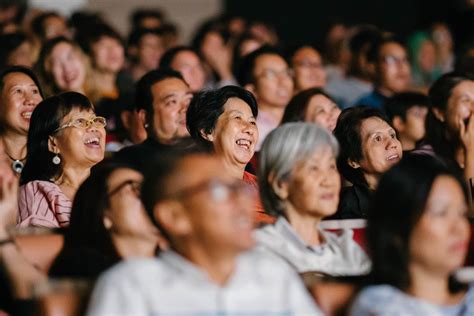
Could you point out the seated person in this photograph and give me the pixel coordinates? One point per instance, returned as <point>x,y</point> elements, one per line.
<point>65,140</point>
<point>418,235</point>
<point>307,64</point>
<point>224,122</point>
<point>300,184</point>
<point>206,215</point>
<point>407,113</point>
<point>369,147</point>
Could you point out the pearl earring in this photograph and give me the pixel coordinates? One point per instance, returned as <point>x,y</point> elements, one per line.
<point>56,160</point>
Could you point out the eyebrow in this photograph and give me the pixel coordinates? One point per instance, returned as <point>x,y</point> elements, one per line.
<point>239,112</point>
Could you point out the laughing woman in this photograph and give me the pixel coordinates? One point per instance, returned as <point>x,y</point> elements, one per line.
<point>64,141</point>
<point>224,122</point>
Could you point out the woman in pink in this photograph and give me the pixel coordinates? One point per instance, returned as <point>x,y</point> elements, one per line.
<point>64,141</point>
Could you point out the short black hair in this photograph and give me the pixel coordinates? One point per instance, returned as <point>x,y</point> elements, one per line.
<point>143,94</point>
<point>363,36</point>
<point>139,14</point>
<point>347,132</point>
<point>397,206</point>
<point>168,57</point>
<point>37,24</point>
<point>100,30</point>
<point>373,54</point>
<point>400,103</point>
<point>45,120</point>
<point>135,37</point>
<point>24,70</point>
<point>295,111</point>
<point>207,106</point>
<point>8,44</point>
<point>245,73</point>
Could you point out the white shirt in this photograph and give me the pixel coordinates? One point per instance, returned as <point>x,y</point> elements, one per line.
<point>172,286</point>
<point>338,255</point>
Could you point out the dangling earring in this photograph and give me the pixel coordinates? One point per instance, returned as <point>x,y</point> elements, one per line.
<point>56,160</point>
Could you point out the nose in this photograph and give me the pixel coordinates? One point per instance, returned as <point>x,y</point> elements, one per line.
<point>29,99</point>
<point>249,128</point>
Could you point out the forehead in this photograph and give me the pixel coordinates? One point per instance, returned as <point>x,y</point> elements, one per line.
<point>15,78</point>
<point>372,125</point>
<point>320,99</point>
<point>269,61</point>
<point>237,104</point>
<point>123,174</point>
<point>168,86</point>
<point>392,48</point>
<point>185,57</point>
<point>306,53</point>
<point>464,88</point>
<point>197,169</point>
<point>77,112</point>
<point>61,47</point>
<point>150,37</point>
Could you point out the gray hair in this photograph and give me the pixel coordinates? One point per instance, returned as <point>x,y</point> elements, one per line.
<point>282,150</point>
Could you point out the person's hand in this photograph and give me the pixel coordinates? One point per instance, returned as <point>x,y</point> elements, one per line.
<point>466,133</point>
<point>8,201</point>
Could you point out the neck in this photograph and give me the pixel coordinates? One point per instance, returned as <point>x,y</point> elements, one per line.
<point>128,246</point>
<point>71,178</point>
<point>237,171</point>
<point>372,180</point>
<point>219,265</point>
<point>275,112</point>
<point>15,145</point>
<point>384,91</point>
<point>305,226</point>
<point>407,143</point>
<point>430,286</point>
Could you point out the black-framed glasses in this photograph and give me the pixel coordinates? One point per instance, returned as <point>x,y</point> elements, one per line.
<point>96,121</point>
<point>219,191</point>
<point>136,187</point>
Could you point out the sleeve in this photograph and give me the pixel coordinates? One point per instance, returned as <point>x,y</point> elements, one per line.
<point>116,294</point>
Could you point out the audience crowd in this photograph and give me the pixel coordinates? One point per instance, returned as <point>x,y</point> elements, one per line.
<point>234,175</point>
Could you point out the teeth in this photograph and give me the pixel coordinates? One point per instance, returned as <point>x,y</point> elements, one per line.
<point>93,140</point>
<point>243,142</point>
<point>26,114</point>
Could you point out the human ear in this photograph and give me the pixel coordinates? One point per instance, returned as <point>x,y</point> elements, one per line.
<point>250,87</point>
<point>172,217</point>
<point>52,146</point>
<point>353,164</point>
<point>280,187</point>
<point>207,136</point>
<point>438,114</point>
<point>398,124</point>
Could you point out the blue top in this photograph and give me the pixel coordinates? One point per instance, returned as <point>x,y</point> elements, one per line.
<point>386,300</point>
<point>374,100</point>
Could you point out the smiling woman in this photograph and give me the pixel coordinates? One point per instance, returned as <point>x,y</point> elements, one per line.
<point>66,139</point>
<point>224,122</point>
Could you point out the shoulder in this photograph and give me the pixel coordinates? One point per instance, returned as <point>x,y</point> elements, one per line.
<point>38,188</point>
<point>378,300</point>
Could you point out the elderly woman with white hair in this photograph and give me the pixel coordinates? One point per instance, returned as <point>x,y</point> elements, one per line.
<point>299,183</point>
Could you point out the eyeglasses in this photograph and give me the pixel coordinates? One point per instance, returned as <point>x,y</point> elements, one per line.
<point>96,121</point>
<point>394,60</point>
<point>273,75</point>
<point>134,185</point>
<point>219,190</point>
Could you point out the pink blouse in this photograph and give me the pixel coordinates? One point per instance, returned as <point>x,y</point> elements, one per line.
<point>42,203</point>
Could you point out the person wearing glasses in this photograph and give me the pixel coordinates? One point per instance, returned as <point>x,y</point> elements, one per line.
<point>307,63</point>
<point>267,75</point>
<point>65,140</point>
<point>211,267</point>
<point>388,58</point>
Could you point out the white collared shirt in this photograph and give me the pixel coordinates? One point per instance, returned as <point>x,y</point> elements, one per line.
<point>172,286</point>
<point>338,255</point>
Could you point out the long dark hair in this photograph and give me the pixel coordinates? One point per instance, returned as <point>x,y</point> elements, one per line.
<point>296,110</point>
<point>45,119</point>
<point>397,206</point>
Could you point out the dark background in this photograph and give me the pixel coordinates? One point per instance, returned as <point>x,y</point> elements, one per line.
<point>307,21</point>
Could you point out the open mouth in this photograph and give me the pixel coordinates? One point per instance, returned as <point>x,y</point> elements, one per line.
<point>26,115</point>
<point>243,143</point>
<point>393,158</point>
<point>92,142</point>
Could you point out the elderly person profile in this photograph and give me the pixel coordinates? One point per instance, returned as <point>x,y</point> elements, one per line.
<point>369,147</point>
<point>224,122</point>
<point>65,140</point>
<point>417,241</point>
<point>299,182</point>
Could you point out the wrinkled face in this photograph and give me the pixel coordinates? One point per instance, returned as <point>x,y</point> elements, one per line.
<point>440,239</point>
<point>273,81</point>
<point>309,69</point>
<point>150,51</point>
<point>380,147</point>
<point>21,55</point>
<point>77,146</point>
<point>171,98</point>
<point>235,134</point>
<point>460,106</point>
<point>314,185</point>
<point>189,65</point>
<point>393,68</point>
<point>108,54</point>
<point>19,97</point>
<point>126,211</point>
<point>219,207</point>
<point>322,111</point>
<point>67,67</point>
<point>414,125</point>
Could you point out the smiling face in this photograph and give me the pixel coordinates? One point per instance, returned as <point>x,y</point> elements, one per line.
<point>380,147</point>
<point>314,185</point>
<point>108,54</point>
<point>171,98</point>
<point>439,240</point>
<point>19,97</point>
<point>322,111</point>
<point>235,134</point>
<point>77,146</point>
<point>460,106</point>
<point>309,69</point>
<point>67,67</point>
<point>273,85</point>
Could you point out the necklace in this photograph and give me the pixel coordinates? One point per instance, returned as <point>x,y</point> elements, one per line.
<point>17,164</point>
